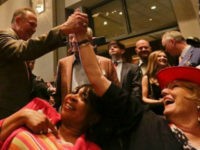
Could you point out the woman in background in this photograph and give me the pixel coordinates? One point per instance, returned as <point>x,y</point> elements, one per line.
<point>151,92</point>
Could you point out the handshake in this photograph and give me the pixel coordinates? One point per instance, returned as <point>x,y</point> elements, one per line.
<point>76,23</point>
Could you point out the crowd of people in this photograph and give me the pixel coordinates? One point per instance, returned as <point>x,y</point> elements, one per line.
<point>98,103</point>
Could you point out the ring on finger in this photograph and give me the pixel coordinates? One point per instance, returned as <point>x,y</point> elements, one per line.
<point>85,24</point>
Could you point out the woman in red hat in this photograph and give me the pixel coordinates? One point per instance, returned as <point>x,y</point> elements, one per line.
<point>181,98</point>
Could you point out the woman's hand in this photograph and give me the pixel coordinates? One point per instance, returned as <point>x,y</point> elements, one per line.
<point>37,122</point>
<point>161,100</point>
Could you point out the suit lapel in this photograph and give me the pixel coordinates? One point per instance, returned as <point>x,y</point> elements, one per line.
<point>123,73</point>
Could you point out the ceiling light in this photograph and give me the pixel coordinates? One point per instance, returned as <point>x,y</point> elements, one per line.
<point>39,8</point>
<point>107,13</point>
<point>120,13</point>
<point>153,7</point>
<point>105,23</point>
<point>150,19</point>
<point>95,15</point>
<point>114,11</point>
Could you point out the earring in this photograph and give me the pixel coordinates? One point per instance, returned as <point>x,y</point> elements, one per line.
<point>198,110</point>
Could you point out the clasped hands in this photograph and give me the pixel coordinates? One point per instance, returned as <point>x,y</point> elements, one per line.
<point>76,23</point>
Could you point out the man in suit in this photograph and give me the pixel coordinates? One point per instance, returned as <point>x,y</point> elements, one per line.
<point>143,50</point>
<point>127,73</point>
<point>176,45</point>
<point>70,73</point>
<point>16,47</point>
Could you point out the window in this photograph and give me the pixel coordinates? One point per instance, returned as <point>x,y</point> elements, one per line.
<point>109,20</point>
<point>150,15</point>
<point>126,18</point>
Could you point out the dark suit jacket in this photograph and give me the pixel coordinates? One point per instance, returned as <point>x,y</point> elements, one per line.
<point>130,80</point>
<point>191,58</point>
<point>15,85</point>
<point>64,75</point>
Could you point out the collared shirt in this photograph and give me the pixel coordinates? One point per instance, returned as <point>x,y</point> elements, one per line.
<point>185,57</point>
<point>78,74</point>
<point>185,51</point>
<point>118,68</point>
<point>142,66</point>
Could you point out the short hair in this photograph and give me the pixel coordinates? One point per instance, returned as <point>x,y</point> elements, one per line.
<point>115,42</point>
<point>89,95</point>
<point>22,12</point>
<point>176,35</point>
<point>93,101</point>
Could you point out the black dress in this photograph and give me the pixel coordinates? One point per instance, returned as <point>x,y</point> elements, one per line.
<point>154,92</point>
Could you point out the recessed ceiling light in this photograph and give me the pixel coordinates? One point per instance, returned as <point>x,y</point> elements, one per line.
<point>105,23</point>
<point>114,11</point>
<point>153,7</point>
<point>120,13</point>
<point>150,19</point>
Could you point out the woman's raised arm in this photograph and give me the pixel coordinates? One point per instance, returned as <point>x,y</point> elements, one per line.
<point>90,64</point>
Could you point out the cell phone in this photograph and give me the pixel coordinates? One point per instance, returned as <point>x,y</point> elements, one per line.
<point>98,41</point>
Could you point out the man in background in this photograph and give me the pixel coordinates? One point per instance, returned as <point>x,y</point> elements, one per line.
<point>70,72</point>
<point>176,45</point>
<point>142,49</point>
<point>128,74</point>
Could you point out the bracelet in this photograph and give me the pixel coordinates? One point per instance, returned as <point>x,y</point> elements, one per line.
<point>83,42</point>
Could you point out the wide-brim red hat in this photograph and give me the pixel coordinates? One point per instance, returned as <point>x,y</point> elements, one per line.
<point>169,74</point>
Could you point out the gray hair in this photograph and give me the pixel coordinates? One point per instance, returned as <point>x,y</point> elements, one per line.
<point>22,12</point>
<point>176,35</point>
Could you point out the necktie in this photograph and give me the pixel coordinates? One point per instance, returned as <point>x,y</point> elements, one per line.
<point>115,63</point>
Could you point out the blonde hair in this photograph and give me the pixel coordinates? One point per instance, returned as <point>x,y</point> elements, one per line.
<point>152,66</point>
<point>193,87</point>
